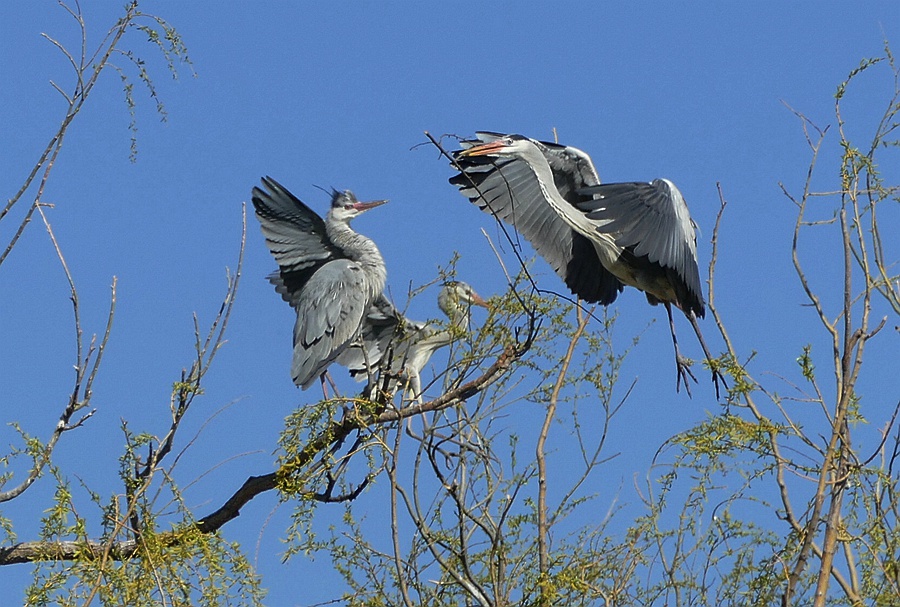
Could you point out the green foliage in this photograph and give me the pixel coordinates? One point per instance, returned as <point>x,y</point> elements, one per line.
<point>464,510</point>
<point>707,536</point>
<point>138,559</point>
<point>806,363</point>
<point>168,42</point>
<point>726,435</point>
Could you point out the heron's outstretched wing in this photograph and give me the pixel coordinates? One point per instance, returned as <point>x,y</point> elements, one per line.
<point>509,189</point>
<point>651,220</point>
<point>328,318</point>
<point>295,235</point>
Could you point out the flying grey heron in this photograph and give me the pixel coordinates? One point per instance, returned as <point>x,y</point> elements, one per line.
<point>409,343</point>
<point>327,272</point>
<point>597,237</point>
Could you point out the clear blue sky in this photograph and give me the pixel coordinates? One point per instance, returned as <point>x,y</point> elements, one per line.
<point>339,94</point>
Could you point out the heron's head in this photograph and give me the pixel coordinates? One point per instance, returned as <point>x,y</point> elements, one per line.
<point>456,296</point>
<point>507,145</point>
<point>345,206</point>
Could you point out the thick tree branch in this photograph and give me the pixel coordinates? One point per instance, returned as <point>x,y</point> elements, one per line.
<point>336,432</point>
<point>339,430</point>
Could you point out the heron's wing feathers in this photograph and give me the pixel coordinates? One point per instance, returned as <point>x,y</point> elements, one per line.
<point>328,318</point>
<point>281,280</point>
<point>482,137</point>
<point>652,221</point>
<point>585,275</point>
<point>379,326</point>
<point>508,189</point>
<point>295,235</point>
<point>407,345</point>
<point>572,169</point>
<point>402,337</point>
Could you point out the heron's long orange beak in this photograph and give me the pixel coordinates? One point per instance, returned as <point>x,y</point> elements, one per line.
<point>365,206</point>
<point>483,150</point>
<point>478,301</point>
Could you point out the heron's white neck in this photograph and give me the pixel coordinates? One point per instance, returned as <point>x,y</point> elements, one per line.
<point>458,313</point>
<point>576,220</point>
<point>361,250</point>
<point>604,244</point>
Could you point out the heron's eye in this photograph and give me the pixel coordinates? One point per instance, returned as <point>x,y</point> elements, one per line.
<point>348,206</point>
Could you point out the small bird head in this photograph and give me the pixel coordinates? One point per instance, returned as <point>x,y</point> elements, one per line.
<point>345,206</point>
<point>457,296</point>
<point>506,145</point>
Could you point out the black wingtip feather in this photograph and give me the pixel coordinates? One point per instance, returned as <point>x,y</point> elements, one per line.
<point>587,278</point>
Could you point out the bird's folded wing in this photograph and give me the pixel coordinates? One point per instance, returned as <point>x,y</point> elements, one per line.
<point>328,318</point>
<point>379,328</point>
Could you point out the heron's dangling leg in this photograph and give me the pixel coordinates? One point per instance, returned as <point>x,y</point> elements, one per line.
<point>716,375</point>
<point>414,387</point>
<point>326,376</point>
<point>372,372</point>
<point>681,364</point>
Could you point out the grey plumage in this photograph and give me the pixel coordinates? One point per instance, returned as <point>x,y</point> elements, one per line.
<point>327,272</point>
<point>597,237</point>
<point>392,343</point>
<point>508,188</point>
<point>651,221</point>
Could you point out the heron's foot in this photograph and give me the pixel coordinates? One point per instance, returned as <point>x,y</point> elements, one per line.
<point>684,372</point>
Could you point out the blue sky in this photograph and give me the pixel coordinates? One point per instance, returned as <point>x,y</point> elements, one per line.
<point>339,95</point>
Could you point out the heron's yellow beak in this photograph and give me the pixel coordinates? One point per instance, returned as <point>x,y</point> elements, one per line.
<point>483,150</point>
<point>477,300</point>
<point>365,206</point>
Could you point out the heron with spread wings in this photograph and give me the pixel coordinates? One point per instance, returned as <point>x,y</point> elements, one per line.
<point>328,273</point>
<point>598,238</point>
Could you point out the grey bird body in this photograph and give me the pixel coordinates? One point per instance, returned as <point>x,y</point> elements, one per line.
<point>327,272</point>
<point>409,344</point>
